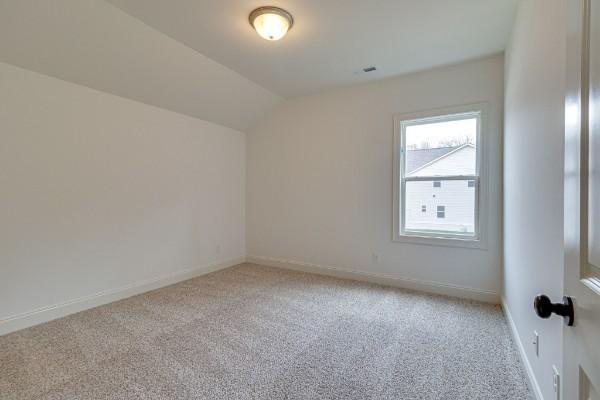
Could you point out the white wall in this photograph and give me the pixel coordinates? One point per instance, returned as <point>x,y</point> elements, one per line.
<point>533,178</point>
<point>100,192</point>
<point>319,187</point>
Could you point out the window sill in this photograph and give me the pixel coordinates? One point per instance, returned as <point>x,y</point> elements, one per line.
<point>441,241</point>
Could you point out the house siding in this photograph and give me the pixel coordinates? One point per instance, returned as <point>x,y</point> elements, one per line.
<point>456,196</point>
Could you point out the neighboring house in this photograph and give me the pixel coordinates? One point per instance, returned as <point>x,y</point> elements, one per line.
<point>441,205</point>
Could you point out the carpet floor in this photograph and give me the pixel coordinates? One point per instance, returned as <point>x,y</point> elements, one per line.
<point>253,332</point>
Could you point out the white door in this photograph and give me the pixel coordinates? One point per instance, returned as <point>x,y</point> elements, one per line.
<point>581,362</point>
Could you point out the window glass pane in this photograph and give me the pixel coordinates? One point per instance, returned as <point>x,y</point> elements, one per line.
<point>441,148</point>
<point>441,211</point>
<point>449,209</point>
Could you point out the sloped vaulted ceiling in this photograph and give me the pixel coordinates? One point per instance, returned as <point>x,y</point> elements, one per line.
<point>333,40</point>
<point>202,58</point>
<point>93,43</point>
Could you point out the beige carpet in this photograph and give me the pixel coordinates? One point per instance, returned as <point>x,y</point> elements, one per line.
<point>253,332</point>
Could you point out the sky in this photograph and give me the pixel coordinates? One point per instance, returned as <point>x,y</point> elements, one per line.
<point>438,134</point>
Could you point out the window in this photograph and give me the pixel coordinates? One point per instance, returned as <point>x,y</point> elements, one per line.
<point>441,211</point>
<point>437,157</point>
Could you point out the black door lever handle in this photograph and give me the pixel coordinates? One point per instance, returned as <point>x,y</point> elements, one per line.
<point>544,308</point>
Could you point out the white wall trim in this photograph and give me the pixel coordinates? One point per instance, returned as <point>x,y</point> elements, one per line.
<point>384,279</point>
<point>48,313</point>
<point>533,384</point>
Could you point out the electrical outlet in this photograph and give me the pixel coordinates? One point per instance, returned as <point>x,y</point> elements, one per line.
<point>556,382</point>
<point>375,258</point>
<point>536,343</point>
<point>218,249</point>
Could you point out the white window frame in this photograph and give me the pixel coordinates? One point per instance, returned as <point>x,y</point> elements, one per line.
<point>401,121</point>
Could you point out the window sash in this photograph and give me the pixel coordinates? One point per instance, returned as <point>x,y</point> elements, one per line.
<point>441,178</point>
<point>450,235</point>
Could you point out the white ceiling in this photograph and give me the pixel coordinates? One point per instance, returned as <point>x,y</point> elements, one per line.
<point>93,43</point>
<point>202,58</point>
<point>332,39</point>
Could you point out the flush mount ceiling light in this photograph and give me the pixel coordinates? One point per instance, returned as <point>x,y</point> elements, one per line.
<point>271,23</point>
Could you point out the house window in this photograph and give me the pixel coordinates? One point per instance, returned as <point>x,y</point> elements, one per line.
<point>441,211</point>
<point>438,155</point>
<point>423,208</point>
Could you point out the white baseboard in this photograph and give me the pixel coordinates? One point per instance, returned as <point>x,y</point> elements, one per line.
<point>383,279</point>
<point>45,314</point>
<point>533,384</point>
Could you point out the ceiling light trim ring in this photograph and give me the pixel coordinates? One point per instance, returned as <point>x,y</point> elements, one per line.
<point>271,10</point>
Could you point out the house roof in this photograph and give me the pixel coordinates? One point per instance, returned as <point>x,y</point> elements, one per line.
<point>417,158</point>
